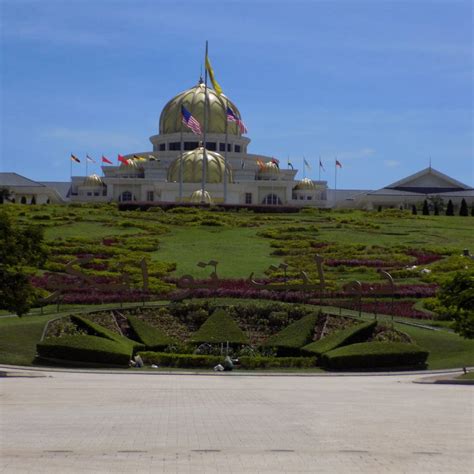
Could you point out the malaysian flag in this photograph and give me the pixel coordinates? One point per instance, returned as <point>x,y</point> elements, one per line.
<point>231,117</point>
<point>190,121</point>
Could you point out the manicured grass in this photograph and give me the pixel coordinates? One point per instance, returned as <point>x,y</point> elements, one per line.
<point>153,338</point>
<point>468,376</point>
<point>86,229</point>
<point>239,251</point>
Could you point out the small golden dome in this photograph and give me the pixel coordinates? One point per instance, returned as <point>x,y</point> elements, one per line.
<point>93,180</point>
<point>269,168</point>
<point>192,167</point>
<point>305,184</point>
<point>197,197</point>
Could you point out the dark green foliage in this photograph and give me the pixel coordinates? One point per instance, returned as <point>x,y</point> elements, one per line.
<point>219,328</point>
<point>153,338</point>
<point>450,208</point>
<point>436,209</point>
<point>289,340</point>
<point>373,355</point>
<point>426,209</point>
<point>91,349</point>
<point>472,209</point>
<point>94,329</point>
<point>209,361</point>
<point>463,210</point>
<point>358,333</point>
<point>457,296</point>
<point>20,248</point>
<point>413,210</point>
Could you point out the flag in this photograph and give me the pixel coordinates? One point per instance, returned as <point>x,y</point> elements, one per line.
<point>231,117</point>
<point>260,163</point>
<point>123,160</point>
<point>105,160</point>
<point>215,84</point>
<point>89,159</point>
<point>290,165</point>
<point>321,164</point>
<point>338,164</point>
<point>306,163</point>
<point>139,158</point>
<point>75,158</point>
<point>276,162</point>
<point>190,121</point>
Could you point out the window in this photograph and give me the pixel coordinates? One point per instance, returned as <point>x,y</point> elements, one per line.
<point>301,198</point>
<point>211,146</point>
<point>309,198</point>
<point>272,199</point>
<point>174,146</point>
<point>222,147</point>
<point>126,196</point>
<point>150,196</point>
<point>89,193</point>
<point>190,145</point>
<point>162,147</point>
<point>237,148</point>
<point>96,193</point>
<point>248,198</point>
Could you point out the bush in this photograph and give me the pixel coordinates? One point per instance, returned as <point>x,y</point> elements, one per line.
<point>153,338</point>
<point>94,329</point>
<point>358,333</point>
<point>181,360</point>
<point>90,349</point>
<point>247,362</point>
<point>219,327</point>
<point>290,339</point>
<point>371,355</point>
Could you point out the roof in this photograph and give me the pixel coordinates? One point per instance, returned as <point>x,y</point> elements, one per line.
<point>62,188</point>
<point>14,179</point>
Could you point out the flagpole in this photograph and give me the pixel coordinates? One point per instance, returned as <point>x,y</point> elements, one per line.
<point>225,151</point>
<point>181,165</point>
<point>304,169</point>
<point>70,162</point>
<point>335,182</point>
<point>204,155</point>
<point>87,165</point>
<point>319,177</point>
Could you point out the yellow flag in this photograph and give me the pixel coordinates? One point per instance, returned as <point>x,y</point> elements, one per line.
<point>216,85</point>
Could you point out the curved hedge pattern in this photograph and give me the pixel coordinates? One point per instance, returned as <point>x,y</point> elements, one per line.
<point>153,338</point>
<point>373,355</point>
<point>357,333</point>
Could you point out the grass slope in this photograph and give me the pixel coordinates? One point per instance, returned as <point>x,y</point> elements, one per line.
<point>153,338</point>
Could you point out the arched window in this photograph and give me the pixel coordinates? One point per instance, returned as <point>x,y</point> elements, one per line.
<point>126,196</point>
<point>272,199</point>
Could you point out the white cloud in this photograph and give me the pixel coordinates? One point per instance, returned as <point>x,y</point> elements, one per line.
<point>391,163</point>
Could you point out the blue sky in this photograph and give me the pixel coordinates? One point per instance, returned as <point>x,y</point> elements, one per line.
<point>382,85</point>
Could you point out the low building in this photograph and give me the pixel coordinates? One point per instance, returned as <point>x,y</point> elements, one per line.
<point>21,190</point>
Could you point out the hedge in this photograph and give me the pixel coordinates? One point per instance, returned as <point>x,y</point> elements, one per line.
<point>371,355</point>
<point>153,338</point>
<point>94,349</point>
<point>206,361</point>
<point>94,329</point>
<point>290,339</point>
<point>219,328</point>
<point>358,333</point>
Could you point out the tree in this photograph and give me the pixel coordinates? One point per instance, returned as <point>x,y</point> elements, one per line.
<point>426,209</point>
<point>5,195</point>
<point>472,209</point>
<point>413,210</point>
<point>20,248</point>
<point>457,297</point>
<point>450,208</point>
<point>436,209</point>
<point>463,210</point>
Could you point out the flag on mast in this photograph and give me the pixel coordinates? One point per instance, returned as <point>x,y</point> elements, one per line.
<point>306,163</point>
<point>123,160</point>
<point>231,117</point>
<point>276,162</point>
<point>75,158</point>
<point>338,164</point>
<point>190,121</point>
<point>289,164</point>
<point>215,84</point>
<point>106,160</point>
<point>321,164</point>
<point>89,159</point>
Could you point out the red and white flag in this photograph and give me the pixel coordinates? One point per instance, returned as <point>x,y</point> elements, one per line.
<point>106,160</point>
<point>123,160</point>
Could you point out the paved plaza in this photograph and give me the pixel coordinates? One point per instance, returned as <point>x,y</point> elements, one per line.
<point>66,422</point>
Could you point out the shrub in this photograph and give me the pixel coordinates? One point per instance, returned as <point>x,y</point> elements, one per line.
<point>289,340</point>
<point>450,208</point>
<point>153,338</point>
<point>463,210</point>
<point>247,362</point>
<point>94,329</point>
<point>181,360</point>
<point>426,210</point>
<point>358,333</point>
<point>370,355</point>
<point>90,349</point>
<point>219,327</point>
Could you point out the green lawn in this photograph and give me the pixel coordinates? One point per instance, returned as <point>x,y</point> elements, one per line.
<point>90,230</point>
<point>239,251</point>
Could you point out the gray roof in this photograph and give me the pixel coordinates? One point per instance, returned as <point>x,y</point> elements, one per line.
<point>61,187</point>
<point>14,179</point>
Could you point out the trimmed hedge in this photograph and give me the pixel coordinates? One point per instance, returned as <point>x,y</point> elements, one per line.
<point>153,338</point>
<point>290,339</point>
<point>372,355</point>
<point>358,333</point>
<point>94,329</point>
<point>205,361</point>
<point>219,328</point>
<point>93,349</point>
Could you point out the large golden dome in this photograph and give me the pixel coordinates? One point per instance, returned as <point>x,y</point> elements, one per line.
<point>193,100</point>
<point>192,167</point>
<point>305,184</point>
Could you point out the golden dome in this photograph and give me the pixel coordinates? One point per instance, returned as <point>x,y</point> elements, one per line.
<point>197,196</point>
<point>192,167</point>
<point>193,100</point>
<point>93,180</point>
<point>305,184</point>
<point>269,168</point>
